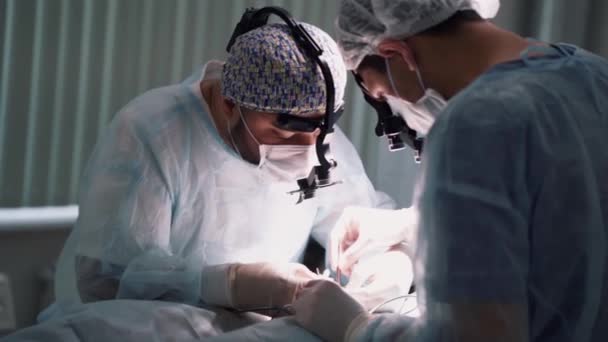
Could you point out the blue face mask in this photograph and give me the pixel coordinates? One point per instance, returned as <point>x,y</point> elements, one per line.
<point>420,115</point>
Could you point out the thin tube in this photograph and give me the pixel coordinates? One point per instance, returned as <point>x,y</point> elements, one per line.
<point>58,104</point>
<point>108,66</point>
<point>9,27</point>
<point>82,98</point>
<point>34,104</point>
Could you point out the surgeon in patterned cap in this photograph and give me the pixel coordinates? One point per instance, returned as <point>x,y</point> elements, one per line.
<point>185,198</point>
<point>275,96</point>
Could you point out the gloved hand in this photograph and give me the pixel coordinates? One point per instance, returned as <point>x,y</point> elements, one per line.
<point>381,277</point>
<point>361,231</point>
<point>266,284</point>
<point>323,308</point>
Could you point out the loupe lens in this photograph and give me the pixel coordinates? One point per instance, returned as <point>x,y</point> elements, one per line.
<point>395,143</point>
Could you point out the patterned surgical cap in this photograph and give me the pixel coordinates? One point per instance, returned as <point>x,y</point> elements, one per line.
<point>266,71</point>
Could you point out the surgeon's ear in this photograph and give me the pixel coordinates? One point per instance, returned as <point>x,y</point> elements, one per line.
<point>228,108</point>
<point>227,105</point>
<point>395,47</point>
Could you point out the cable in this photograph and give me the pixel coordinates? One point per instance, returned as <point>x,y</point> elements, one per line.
<point>373,310</point>
<point>409,311</point>
<point>287,309</point>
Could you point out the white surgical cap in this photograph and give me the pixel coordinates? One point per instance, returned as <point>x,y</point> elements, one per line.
<point>363,24</point>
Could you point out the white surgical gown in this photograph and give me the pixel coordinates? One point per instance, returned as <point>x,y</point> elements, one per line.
<point>163,196</point>
<point>514,204</point>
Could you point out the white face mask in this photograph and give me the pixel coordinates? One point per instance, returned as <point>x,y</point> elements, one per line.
<point>287,163</point>
<point>421,115</point>
<point>282,163</point>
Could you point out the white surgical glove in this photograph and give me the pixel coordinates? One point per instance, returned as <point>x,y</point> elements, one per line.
<point>364,231</point>
<point>323,308</point>
<point>256,285</point>
<point>381,277</point>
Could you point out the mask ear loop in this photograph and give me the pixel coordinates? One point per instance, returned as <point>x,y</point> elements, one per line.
<point>390,77</point>
<point>420,81</point>
<point>260,146</point>
<point>247,126</point>
<point>392,80</point>
<point>236,148</point>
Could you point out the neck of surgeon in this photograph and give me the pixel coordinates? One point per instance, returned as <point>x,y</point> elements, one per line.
<point>472,48</point>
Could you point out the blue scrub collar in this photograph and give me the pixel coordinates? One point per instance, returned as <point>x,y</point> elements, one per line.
<point>540,50</point>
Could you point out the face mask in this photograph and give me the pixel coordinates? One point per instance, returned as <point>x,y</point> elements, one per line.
<point>282,163</point>
<point>420,115</point>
